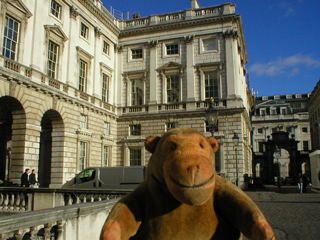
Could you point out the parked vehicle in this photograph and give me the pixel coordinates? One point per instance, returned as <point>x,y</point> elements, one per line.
<point>108,178</point>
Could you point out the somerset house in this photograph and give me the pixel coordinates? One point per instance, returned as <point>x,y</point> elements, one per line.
<point>80,88</point>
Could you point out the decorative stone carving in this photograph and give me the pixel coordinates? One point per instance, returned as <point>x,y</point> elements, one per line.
<point>231,33</point>
<point>74,12</point>
<point>153,43</point>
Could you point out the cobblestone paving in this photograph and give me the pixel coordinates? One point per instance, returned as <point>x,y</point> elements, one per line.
<point>293,216</point>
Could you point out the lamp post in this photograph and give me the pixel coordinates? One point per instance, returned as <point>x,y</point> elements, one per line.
<point>235,140</point>
<point>212,117</point>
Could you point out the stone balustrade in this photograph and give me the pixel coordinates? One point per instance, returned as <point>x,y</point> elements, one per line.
<point>177,16</point>
<point>42,82</point>
<point>76,222</point>
<point>17,199</point>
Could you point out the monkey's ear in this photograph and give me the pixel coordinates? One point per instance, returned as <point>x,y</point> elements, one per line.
<point>214,143</point>
<point>151,143</point>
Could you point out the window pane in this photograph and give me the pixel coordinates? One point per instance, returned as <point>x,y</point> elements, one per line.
<point>53,50</point>
<point>135,130</point>
<point>106,155</point>
<point>137,92</point>
<point>209,44</point>
<point>211,85</point>
<point>136,53</point>
<point>84,31</point>
<point>83,76</point>
<point>10,38</point>
<point>106,48</point>
<point>135,157</point>
<point>55,9</point>
<point>172,49</point>
<point>105,88</point>
<point>83,156</point>
<point>173,89</point>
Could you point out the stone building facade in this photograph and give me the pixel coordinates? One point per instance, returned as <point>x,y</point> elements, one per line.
<point>80,88</point>
<point>281,113</point>
<point>314,113</point>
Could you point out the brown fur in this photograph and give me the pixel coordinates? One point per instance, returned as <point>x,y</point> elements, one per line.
<point>183,197</point>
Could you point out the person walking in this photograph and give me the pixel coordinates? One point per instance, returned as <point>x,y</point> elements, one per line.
<point>33,179</point>
<point>25,178</point>
<point>300,183</point>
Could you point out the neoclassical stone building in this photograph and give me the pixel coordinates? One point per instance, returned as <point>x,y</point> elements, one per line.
<point>314,113</point>
<point>80,88</point>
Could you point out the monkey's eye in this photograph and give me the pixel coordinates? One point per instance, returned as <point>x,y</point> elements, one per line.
<point>173,146</point>
<point>201,146</point>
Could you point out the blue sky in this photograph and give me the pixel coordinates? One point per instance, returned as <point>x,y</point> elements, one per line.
<point>282,37</point>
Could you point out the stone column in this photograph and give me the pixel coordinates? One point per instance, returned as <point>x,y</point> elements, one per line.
<point>189,69</point>
<point>153,76</point>
<point>231,50</point>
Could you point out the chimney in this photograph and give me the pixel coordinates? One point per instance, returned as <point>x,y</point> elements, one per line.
<point>194,4</point>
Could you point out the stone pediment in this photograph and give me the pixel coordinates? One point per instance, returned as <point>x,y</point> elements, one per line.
<point>170,65</point>
<point>19,5</point>
<point>57,30</point>
<point>171,68</point>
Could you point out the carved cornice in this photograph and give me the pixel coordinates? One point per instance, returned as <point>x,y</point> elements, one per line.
<point>101,16</point>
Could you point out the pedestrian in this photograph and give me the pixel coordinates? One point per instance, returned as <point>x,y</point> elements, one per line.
<point>33,179</point>
<point>305,180</point>
<point>25,178</point>
<point>300,183</point>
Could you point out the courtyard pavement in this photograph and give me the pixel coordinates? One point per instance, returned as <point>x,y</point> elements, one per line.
<point>293,216</point>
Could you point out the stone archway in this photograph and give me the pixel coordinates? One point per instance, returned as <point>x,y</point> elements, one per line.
<point>12,140</point>
<point>292,160</point>
<point>51,149</point>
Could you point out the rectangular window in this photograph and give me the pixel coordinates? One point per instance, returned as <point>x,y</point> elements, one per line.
<point>136,53</point>
<point>260,146</point>
<point>84,31</point>
<point>83,156</point>
<point>209,44</point>
<point>172,49</point>
<point>274,130</point>
<point>263,112</point>
<point>105,88</point>
<point>305,146</point>
<point>83,76</point>
<point>217,161</point>
<point>83,121</point>
<point>211,85</point>
<point>55,9</point>
<point>273,111</point>
<point>260,130</point>
<point>106,128</point>
<point>53,50</point>
<point>305,130</point>
<point>106,48</point>
<point>135,130</point>
<point>289,129</point>
<point>283,111</point>
<point>136,92</point>
<point>173,89</point>
<point>106,155</point>
<point>10,38</point>
<point>135,157</point>
<point>171,125</point>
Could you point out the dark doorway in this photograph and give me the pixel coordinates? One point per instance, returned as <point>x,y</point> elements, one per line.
<point>5,138</point>
<point>44,172</point>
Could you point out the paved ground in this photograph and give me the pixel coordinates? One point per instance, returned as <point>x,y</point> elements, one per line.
<point>293,216</point>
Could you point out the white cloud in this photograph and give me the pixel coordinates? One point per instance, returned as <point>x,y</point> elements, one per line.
<point>290,66</point>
